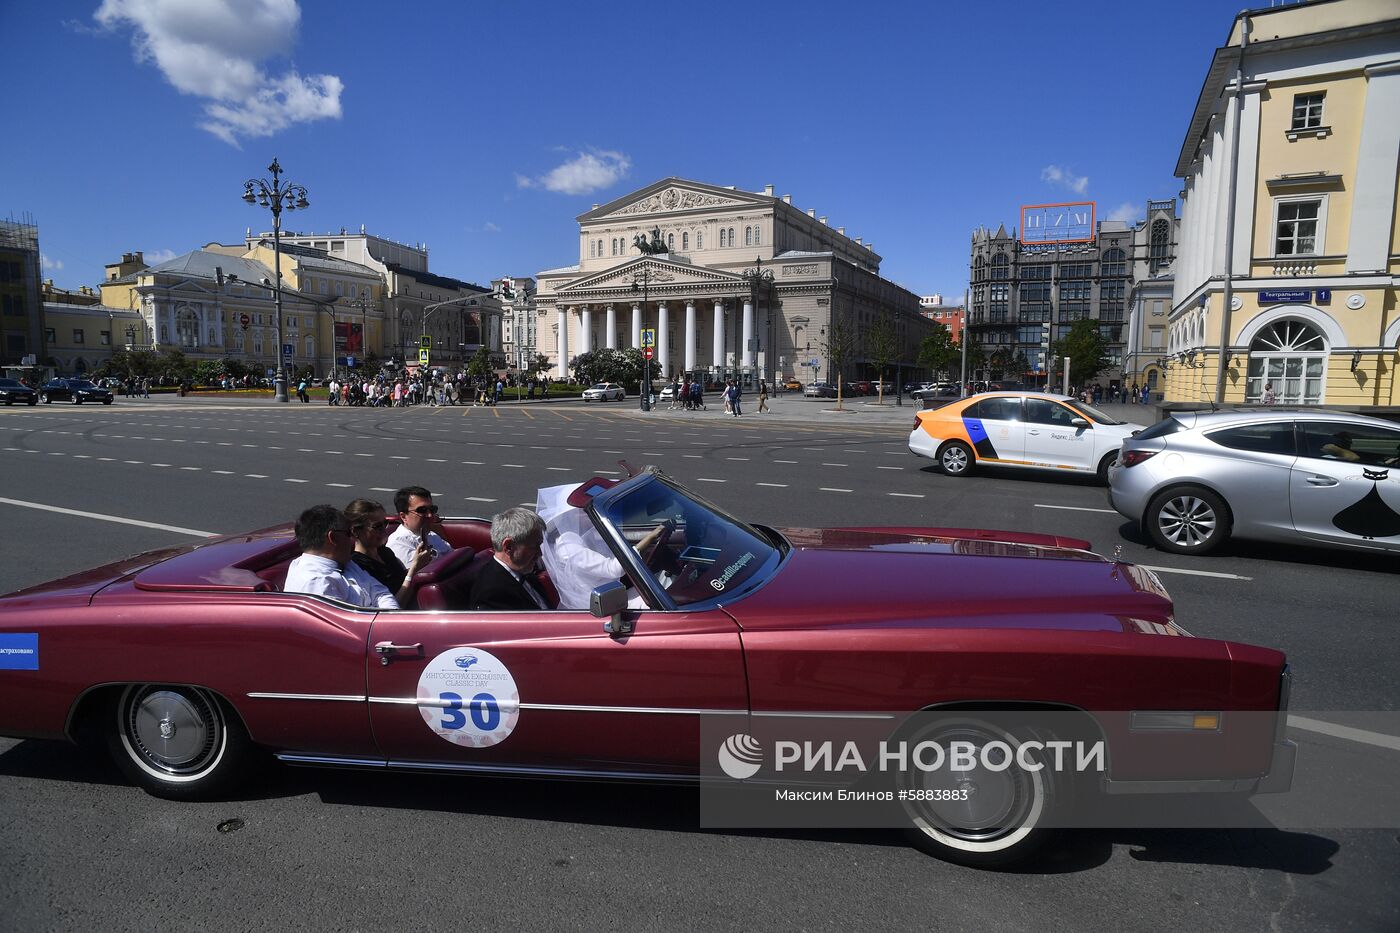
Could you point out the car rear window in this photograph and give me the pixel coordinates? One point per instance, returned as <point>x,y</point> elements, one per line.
<point>1161,429</point>
<point>1273,438</point>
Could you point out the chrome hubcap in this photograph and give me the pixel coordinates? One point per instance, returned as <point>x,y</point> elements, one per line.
<point>1187,521</point>
<point>172,731</point>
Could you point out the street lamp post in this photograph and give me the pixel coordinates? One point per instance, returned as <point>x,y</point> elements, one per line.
<point>755,277</point>
<point>275,197</point>
<point>642,281</point>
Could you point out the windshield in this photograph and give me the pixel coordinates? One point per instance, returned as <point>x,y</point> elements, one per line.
<point>1095,415</point>
<point>600,385</point>
<point>80,384</point>
<point>700,553</point>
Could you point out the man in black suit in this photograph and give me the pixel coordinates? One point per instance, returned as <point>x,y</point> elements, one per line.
<point>508,581</point>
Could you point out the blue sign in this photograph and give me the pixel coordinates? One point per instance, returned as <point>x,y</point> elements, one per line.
<point>1285,296</point>
<point>350,362</point>
<point>1058,223</point>
<point>19,651</point>
<point>1324,296</point>
<point>287,350</point>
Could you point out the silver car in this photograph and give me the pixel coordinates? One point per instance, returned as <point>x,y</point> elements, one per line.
<point>1303,475</point>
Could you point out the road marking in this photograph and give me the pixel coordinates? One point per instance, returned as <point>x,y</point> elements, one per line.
<point>560,469</point>
<point>475,463</point>
<point>191,468</point>
<point>832,489</point>
<point>744,459</point>
<point>339,485</point>
<point>1345,732</point>
<point>1077,508</point>
<point>110,518</point>
<point>834,464</point>
<point>296,480</point>
<point>477,499</point>
<point>888,468</point>
<point>435,460</point>
<point>256,475</point>
<point>1195,573</point>
<point>777,485</point>
<point>784,461</point>
<point>381,489</point>
<point>705,479</point>
<point>398,457</point>
<point>692,456</point>
<point>908,495</point>
<point>514,466</point>
<point>224,472</point>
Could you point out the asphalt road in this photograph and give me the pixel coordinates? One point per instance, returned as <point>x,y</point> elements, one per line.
<point>366,851</point>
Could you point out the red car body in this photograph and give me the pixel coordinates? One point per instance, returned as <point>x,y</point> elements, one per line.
<point>878,619</point>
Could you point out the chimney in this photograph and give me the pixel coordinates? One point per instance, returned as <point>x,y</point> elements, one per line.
<point>595,207</point>
<point>870,246</point>
<point>787,199</point>
<point>48,283</point>
<point>822,220</point>
<point>768,190</point>
<point>858,241</point>
<point>841,230</point>
<point>812,212</point>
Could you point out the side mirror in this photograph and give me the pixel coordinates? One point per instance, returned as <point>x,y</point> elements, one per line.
<point>1079,422</point>
<point>609,601</point>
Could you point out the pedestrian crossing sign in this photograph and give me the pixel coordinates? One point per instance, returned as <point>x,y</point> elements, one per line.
<point>425,342</point>
<point>649,337</point>
<point>423,357</point>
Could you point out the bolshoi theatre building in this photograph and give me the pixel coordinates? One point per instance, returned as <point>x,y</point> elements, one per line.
<point>732,282</point>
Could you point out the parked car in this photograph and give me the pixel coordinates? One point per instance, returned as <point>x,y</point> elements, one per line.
<point>1296,475</point>
<point>939,390</point>
<point>76,391</point>
<point>12,391</point>
<point>911,387</point>
<point>819,390</point>
<point>792,385</point>
<point>1019,429</point>
<point>189,663</point>
<point>604,392</point>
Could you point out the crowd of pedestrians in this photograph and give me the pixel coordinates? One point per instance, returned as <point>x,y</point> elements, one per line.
<point>427,389</point>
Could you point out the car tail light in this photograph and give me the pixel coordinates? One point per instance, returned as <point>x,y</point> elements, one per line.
<point>916,422</point>
<point>1129,458</point>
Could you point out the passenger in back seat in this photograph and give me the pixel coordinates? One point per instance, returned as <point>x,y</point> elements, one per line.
<point>325,568</point>
<point>369,525</point>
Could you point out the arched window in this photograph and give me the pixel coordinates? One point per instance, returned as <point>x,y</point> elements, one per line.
<point>748,236</point>
<point>238,340</point>
<point>670,241</point>
<point>186,328</point>
<point>699,240</point>
<point>80,366</point>
<point>600,249</point>
<point>310,347</point>
<point>732,241</point>
<point>1115,262</point>
<point>757,236</point>
<point>1291,355</point>
<point>1158,246</point>
<point>722,238</point>
<point>590,249</point>
<point>685,242</point>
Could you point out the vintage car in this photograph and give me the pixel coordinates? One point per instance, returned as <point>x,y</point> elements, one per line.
<point>183,662</point>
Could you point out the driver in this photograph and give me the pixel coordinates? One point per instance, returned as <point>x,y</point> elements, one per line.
<point>576,555</point>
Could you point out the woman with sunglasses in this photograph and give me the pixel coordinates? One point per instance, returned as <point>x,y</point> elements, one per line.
<point>369,526</point>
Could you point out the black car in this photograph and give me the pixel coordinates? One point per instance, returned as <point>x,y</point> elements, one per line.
<point>76,391</point>
<point>12,390</point>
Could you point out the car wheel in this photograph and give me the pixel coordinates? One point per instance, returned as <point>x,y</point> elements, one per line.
<point>956,458</point>
<point>1001,816</point>
<point>75,399</point>
<point>106,401</point>
<point>1107,461</point>
<point>177,742</point>
<point>1188,520</point>
<point>33,400</point>
<point>44,397</point>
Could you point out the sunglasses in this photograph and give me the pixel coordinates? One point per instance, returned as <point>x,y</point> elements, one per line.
<point>377,526</point>
<point>425,510</point>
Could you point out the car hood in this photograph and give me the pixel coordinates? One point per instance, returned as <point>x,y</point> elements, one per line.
<point>893,578</point>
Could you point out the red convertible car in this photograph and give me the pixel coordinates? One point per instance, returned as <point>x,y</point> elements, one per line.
<point>186,662</point>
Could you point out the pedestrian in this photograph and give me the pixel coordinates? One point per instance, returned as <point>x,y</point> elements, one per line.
<point>762,396</point>
<point>732,399</point>
<point>500,390</point>
<point>1144,395</point>
<point>1270,397</point>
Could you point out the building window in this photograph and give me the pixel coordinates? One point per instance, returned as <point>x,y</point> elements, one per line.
<point>1298,227</point>
<point>590,249</point>
<point>77,335</point>
<point>699,240</point>
<point>600,249</point>
<point>757,236</point>
<point>748,236</point>
<point>979,269</point>
<point>1115,262</point>
<point>1307,111</point>
<point>722,238</point>
<point>104,337</point>
<point>1001,266</point>
<point>50,336</point>
<point>670,241</point>
<point>731,237</point>
<point>187,328</point>
<point>310,347</point>
<point>1077,270</point>
<point>1292,357</point>
<point>1035,272</point>
<point>685,242</point>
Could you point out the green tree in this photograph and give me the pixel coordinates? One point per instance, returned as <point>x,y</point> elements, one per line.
<point>481,364</point>
<point>838,344</point>
<point>881,344</point>
<point>938,353</point>
<point>606,365</point>
<point>538,365</point>
<point>1086,349</point>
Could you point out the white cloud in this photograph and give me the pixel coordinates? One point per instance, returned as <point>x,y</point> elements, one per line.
<point>50,265</point>
<point>211,49</point>
<point>1128,212</point>
<point>585,173</point>
<point>156,257</point>
<point>1065,178</point>
<point>490,228</point>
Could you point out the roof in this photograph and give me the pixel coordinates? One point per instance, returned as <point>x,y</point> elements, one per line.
<point>428,278</point>
<point>311,257</point>
<point>201,264</point>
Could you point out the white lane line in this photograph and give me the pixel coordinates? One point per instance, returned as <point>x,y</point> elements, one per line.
<point>339,485</point>
<point>224,472</point>
<point>576,450</point>
<point>435,460</point>
<point>478,499</point>
<point>160,464</point>
<point>743,459</point>
<point>397,457</point>
<point>192,468</point>
<point>381,489</point>
<point>560,469</point>
<point>81,457</point>
<point>514,466</point>
<point>705,479</point>
<point>834,464</point>
<point>364,455</point>
<point>1077,508</point>
<point>888,468</point>
<point>908,495</point>
<point>775,485</point>
<point>109,518</point>
<point>256,475</point>
<point>1365,736</point>
<point>832,489</point>
<point>784,461</point>
<point>475,463</point>
<point>1196,573</point>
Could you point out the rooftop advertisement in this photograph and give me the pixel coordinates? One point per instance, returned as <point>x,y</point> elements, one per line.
<point>1057,223</point>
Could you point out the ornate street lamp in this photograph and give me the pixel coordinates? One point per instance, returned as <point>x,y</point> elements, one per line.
<point>641,281</point>
<point>756,277</point>
<point>275,196</point>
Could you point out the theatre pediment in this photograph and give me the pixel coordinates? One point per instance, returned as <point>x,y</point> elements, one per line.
<point>673,196</point>
<point>662,273</point>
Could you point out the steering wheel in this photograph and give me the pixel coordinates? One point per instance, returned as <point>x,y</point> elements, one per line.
<point>668,528</point>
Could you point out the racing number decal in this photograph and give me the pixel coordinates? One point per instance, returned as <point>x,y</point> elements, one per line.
<point>469,698</point>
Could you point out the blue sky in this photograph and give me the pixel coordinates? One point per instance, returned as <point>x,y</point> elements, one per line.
<point>483,128</point>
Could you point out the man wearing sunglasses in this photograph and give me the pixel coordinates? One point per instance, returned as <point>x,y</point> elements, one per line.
<point>417,515</point>
<point>324,567</point>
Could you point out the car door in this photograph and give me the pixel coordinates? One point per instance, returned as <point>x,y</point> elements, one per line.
<point>1053,440</point>
<point>995,428</point>
<point>551,691</point>
<point>1345,485</point>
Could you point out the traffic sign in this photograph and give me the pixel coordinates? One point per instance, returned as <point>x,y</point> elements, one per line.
<point>646,352</point>
<point>423,357</point>
<point>244,320</point>
<point>649,337</point>
<point>288,350</point>
<point>350,362</point>
<point>425,342</point>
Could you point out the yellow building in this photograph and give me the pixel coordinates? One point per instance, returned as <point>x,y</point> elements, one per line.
<point>1290,171</point>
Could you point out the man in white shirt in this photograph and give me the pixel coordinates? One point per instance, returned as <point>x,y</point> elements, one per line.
<point>324,567</point>
<point>417,515</point>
